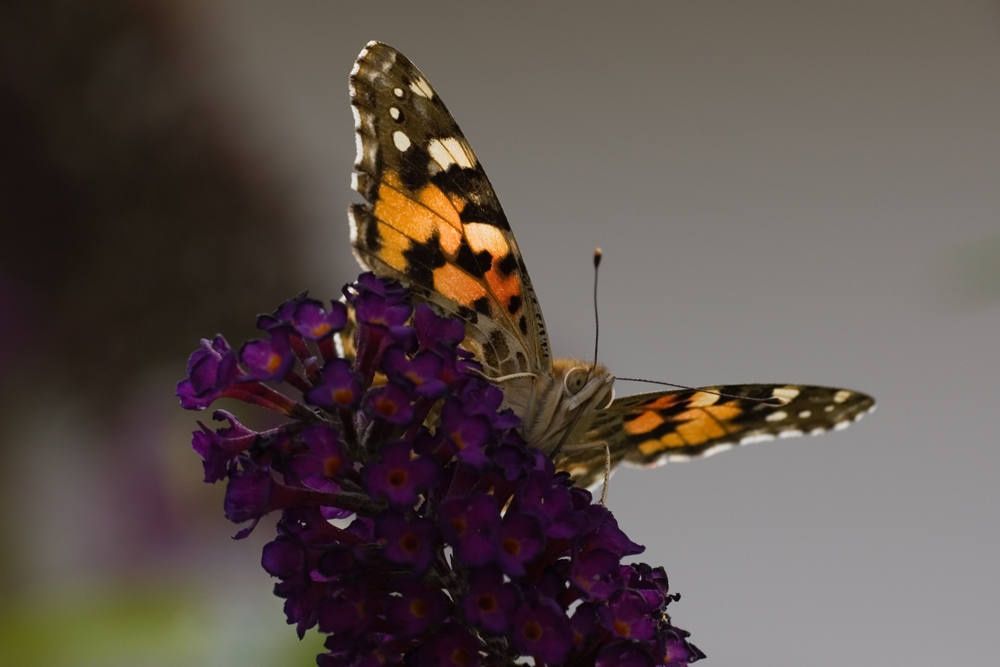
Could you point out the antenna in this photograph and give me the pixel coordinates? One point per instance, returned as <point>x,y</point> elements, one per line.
<point>773,400</point>
<point>597,323</point>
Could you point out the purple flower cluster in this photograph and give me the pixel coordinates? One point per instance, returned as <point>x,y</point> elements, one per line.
<point>457,545</point>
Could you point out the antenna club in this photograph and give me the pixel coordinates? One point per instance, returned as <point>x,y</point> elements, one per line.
<point>597,257</point>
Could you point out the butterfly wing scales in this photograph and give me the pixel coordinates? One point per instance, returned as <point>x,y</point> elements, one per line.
<point>433,220</point>
<point>659,427</point>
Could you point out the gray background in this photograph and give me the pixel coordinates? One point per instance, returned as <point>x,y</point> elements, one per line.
<point>784,191</point>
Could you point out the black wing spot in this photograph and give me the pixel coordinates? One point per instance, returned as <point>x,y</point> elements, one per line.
<point>413,168</point>
<point>491,215</point>
<point>422,259</point>
<point>522,324</point>
<point>490,357</point>
<point>522,362</point>
<point>365,220</point>
<point>467,315</point>
<point>507,264</point>
<point>482,306</point>
<point>458,180</point>
<point>514,305</point>
<point>475,264</point>
<point>499,343</point>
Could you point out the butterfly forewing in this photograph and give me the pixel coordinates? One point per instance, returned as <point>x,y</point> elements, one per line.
<point>432,218</point>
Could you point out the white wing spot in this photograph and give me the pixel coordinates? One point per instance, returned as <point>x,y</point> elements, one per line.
<point>716,449</point>
<point>805,414</point>
<point>842,396</point>
<point>819,430</point>
<point>791,433</point>
<point>354,234</point>
<point>840,426</point>
<point>394,112</point>
<point>398,92</point>
<point>777,416</point>
<point>759,437</point>
<point>787,394</point>
<point>447,152</point>
<point>422,88</point>
<point>401,140</point>
<point>828,408</point>
<point>358,144</point>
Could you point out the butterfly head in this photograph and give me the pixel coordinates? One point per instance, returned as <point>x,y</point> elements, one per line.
<point>566,402</point>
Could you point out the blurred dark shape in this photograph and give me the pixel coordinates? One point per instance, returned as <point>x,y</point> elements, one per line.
<point>133,221</point>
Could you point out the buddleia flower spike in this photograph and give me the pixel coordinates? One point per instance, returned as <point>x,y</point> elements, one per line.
<point>416,527</point>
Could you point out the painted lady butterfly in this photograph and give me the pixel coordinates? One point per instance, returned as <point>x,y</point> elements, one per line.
<point>433,221</point>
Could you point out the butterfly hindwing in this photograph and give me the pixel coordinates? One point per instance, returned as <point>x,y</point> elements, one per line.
<point>433,220</point>
<point>658,427</point>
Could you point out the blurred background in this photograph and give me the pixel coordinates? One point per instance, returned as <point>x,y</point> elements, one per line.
<point>784,192</point>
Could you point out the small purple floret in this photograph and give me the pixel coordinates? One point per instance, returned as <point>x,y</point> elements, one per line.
<point>314,322</point>
<point>542,631</point>
<point>325,460</point>
<point>268,360</point>
<point>489,601</point>
<point>417,608</point>
<point>211,370</point>
<point>521,540</point>
<point>400,476</point>
<point>219,448</point>
<point>471,525</point>
<point>389,403</point>
<point>340,388</point>
<point>408,542</point>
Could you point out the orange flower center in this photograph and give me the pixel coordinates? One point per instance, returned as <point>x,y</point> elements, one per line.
<point>273,362</point>
<point>486,603</point>
<point>461,657</point>
<point>332,465</point>
<point>532,631</point>
<point>410,543</point>
<point>512,546</point>
<point>419,608</point>
<point>398,478</point>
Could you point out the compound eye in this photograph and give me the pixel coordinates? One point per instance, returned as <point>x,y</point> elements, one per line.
<point>575,380</point>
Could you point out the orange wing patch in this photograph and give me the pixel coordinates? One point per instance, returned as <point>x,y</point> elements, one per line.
<point>690,428</point>
<point>644,423</point>
<point>419,216</point>
<point>485,237</point>
<point>458,285</point>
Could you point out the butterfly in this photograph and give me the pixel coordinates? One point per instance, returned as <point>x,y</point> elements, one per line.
<point>433,221</point>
